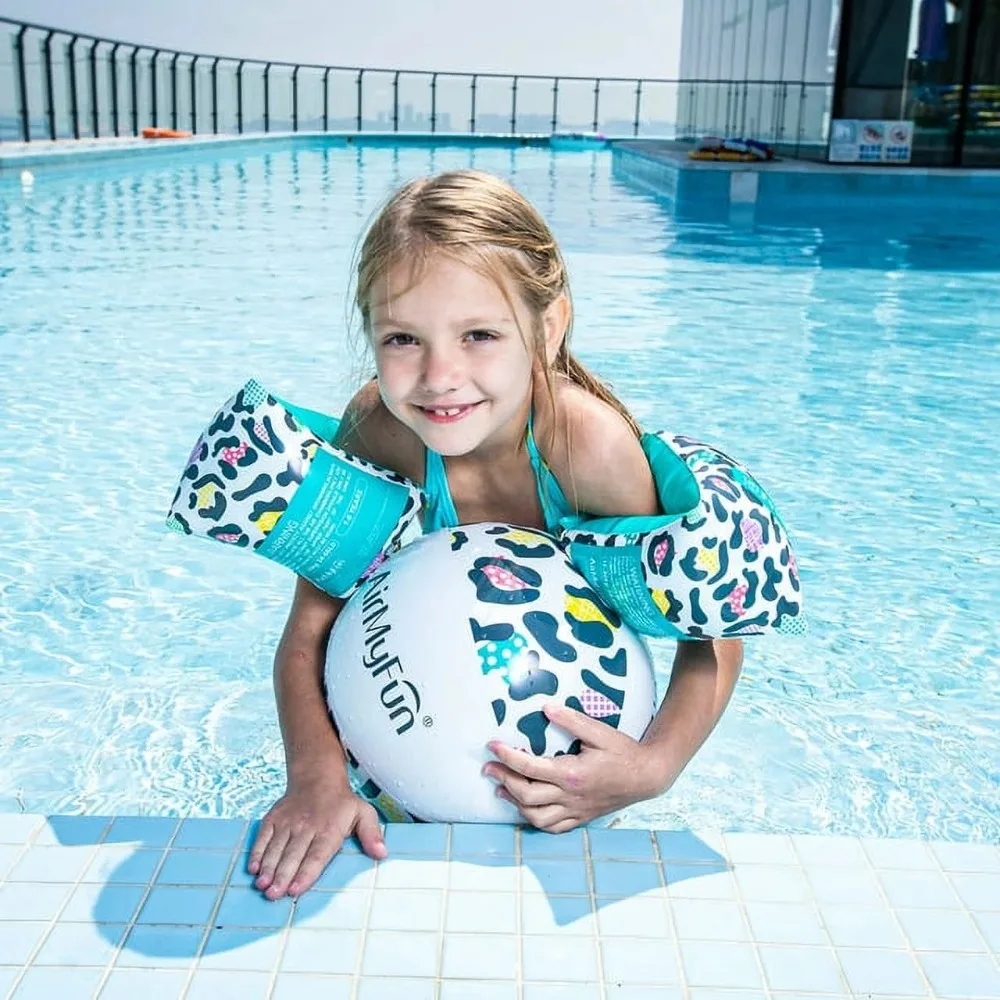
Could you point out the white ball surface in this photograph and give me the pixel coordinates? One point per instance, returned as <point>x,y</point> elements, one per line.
<point>461,638</point>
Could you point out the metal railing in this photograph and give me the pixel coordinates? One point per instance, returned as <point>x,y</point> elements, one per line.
<point>59,84</point>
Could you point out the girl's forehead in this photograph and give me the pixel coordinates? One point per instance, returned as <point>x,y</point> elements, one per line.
<point>449,278</point>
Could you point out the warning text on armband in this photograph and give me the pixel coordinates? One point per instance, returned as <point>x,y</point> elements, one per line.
<point>335,524</point>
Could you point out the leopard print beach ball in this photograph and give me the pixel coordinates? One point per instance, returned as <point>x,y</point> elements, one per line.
<point>459,639</point>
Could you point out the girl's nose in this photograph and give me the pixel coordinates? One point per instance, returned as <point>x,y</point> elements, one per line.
<point>442,370</point>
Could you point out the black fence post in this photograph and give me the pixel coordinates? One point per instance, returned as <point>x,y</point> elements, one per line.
<point>555,104</point>
<point>134,79</point>
<point>74,108</point>
<point>395,101</point>
<point>326,99</point>
<point>239,97</point>
<point>295,99</point>
<point>94,110</point>
<point>513,106</point>
<point>434,83</point>
<point>194,95</point>
<point>638,107</point>
<point>361,74</point>
<point>152,88</point>
<point>113,81</point>
<point>472,116</point>
<point>50,97</point>
<point>215,96</point>
<point>597,101</point>
<point>22,82</point>
<point>173,91</point>
<point>973,18</point>
<point>267,97</point>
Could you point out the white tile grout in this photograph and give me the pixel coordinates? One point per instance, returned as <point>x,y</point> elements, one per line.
<point>517,861</point>
<point>144,895</point>
<point>213,913</point>
<point>33,954</point>
<point>595,934</point>
<point>362,930</point>
<point>962,908</point>
<point>519,912</point>
<point>881,889</point>
<point>682,982</point>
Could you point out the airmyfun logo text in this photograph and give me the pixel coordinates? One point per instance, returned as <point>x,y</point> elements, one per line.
<point>400,698</point>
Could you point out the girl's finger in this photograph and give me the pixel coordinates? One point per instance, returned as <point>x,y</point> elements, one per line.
<point>263,838</point>
<point>292,856</point>
<point>271,857</point>
<point>531,793</point>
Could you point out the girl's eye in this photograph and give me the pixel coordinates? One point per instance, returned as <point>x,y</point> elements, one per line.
<point>481,336</point>
<point>398,340</point>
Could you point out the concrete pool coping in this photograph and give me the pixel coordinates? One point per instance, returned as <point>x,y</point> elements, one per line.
<point>17,156</point>
<point>772,188</point>
<point>160,907</point>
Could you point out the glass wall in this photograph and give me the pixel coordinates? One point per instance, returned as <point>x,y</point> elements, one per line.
<point>933,62</point>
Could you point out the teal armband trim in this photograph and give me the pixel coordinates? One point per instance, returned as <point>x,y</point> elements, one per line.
<point>676,486</point>
<point>321,424</point>
<point>676,489</point>
<point>336,523</point>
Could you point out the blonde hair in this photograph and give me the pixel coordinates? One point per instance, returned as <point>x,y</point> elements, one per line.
<point>488,225</point>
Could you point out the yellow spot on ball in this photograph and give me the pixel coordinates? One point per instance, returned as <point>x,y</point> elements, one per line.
<point>268,520</point>
<point>522,537</point>
<point>708,559</point>
<point>584,610</point>
<point>205,495</point>
<point>661,601</point>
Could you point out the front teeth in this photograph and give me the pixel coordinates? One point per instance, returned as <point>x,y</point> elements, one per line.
<point>448,413</point>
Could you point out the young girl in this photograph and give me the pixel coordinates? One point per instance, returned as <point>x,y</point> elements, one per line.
<point>465,302</point>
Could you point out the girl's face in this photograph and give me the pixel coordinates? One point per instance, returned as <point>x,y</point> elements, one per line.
<point>451,361</point>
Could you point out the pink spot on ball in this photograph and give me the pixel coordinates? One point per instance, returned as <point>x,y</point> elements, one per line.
<point>736,599</point>
<point>661,552</point>
<point>503,579</point>
<point>597,705</point>
<point>233,455</point>
<point>752,535</point>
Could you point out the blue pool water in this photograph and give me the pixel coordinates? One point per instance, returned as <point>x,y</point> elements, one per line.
<point>854,365</point>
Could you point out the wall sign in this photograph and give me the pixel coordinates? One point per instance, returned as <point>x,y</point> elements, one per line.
<point>855,140</point>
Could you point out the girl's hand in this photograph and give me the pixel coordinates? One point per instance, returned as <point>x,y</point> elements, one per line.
<point>556,794</point>
<point>305,828</point>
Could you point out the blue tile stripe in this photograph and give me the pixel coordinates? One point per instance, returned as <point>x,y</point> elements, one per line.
<point>684,914</point>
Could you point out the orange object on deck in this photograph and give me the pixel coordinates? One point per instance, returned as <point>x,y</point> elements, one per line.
<point>164,133</point>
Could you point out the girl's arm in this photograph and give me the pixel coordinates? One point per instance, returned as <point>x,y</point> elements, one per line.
<point>702,680</point>
<point>306,827</point>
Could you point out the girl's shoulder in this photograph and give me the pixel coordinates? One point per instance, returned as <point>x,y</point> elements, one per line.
<point>591,449</point>
<point>370,431</point>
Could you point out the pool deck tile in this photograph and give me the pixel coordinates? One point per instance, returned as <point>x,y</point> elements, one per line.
<point>130,907</point>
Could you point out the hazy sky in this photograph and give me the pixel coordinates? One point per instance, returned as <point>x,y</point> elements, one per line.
<point>574,37</point>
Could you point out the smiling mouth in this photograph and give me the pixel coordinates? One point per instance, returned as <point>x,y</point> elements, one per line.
<point>447,414</point>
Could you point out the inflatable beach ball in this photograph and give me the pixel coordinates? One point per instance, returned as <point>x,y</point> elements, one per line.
<point>461,638</point>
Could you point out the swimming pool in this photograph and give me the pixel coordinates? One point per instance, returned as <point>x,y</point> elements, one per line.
<point>854,368</point>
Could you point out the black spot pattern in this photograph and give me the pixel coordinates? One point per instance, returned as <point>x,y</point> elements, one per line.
<point>543,627</point>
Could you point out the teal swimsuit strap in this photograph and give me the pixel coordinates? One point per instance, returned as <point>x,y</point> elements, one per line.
<point>440,511</point>
<point>555,506</point>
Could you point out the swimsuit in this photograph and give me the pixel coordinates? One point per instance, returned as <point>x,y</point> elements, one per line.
<point>440,512</point>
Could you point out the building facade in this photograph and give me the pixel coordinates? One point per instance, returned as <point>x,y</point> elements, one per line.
<point>782,70</point>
